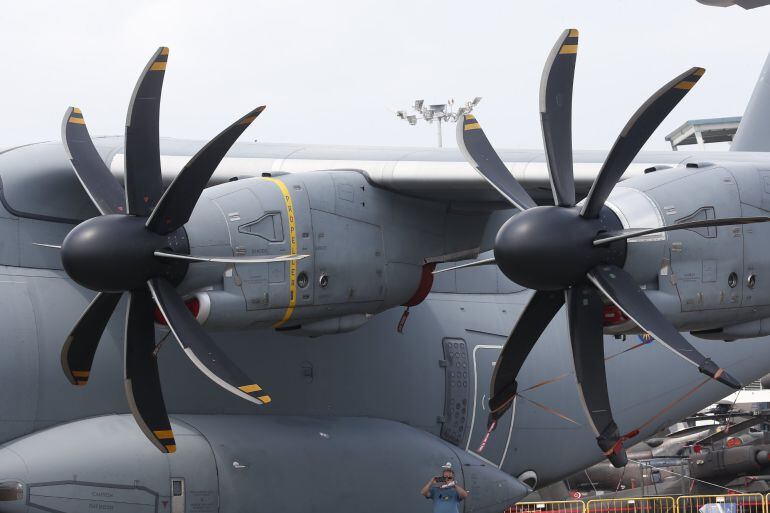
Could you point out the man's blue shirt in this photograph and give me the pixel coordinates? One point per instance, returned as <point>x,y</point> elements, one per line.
<point>445,500</point>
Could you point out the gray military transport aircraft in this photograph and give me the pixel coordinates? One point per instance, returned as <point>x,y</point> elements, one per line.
<point>746,4</point>
<point>279,270</point>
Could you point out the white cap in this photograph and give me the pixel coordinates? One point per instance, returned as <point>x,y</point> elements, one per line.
<point>447,465</point>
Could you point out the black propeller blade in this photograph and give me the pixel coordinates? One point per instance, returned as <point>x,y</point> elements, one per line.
<point>176,205</point>
<point>606,238</point>
<point>79,349</point>
<point>578,252</point>
<point>141,378</point>
<point>105,192</point>
<point>636,132</point>
<point>585,311</point>
<point>145,254</point>
<point>542,307</point>
<point>200,348</point>
<point>480,154</point>
<point>556,116</point>
<point>142,174</point>
<point>621,289</point>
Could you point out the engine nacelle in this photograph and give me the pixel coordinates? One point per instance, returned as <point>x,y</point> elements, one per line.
<point>366,250</point>
<point>705,278</point>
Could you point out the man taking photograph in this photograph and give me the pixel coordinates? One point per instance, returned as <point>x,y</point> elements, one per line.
<point>445,493</point>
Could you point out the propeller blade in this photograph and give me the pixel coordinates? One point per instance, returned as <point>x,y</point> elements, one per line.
<point>542,307</point>
<point>585,311</point>
<point>731,429</point>
<point>79,349</point>
<point>556,116</point>
<point>199,347</point>
<point>230,260</point>
<point>690,431</point>
<point>480,154</point>
<point>143,179</point>
<point>486,261</point>
<point>636,132</point>
<point>141,379</point>
<point>620,288</point>
<point>104,190</point>
<point>607,237</point>
<point>177,203</point>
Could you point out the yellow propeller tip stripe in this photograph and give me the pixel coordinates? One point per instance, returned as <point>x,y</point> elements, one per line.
<point>699,72</point>
<point>164,50</point>
<point>250,388</point>
<point>568,49</point>
<point>472,126</point>
<point>158,66</point>
<point>163,434</point>
<point>246,121</point>
<point>685,84</point>
<point>574,33</point>
<point>265,399</point>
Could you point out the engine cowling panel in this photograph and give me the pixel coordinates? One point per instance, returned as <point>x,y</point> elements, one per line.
<point>366,249</point>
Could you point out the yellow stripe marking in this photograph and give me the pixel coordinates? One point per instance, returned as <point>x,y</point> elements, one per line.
<point>158,66</point>
<point>568,49</point>
<point>250,388</point>
<point>292,250</point>
<point>699,72</point>
<point>573,33</point>
<point>470,117</point>
<point>164,51</point>
<point>76,111</point>
<point>163,434</point>
<point>684,84</point>
<point>80,374</point>
<point>171,448</point>
<point>247,120</point>
<point>472,126</point>
<point>77,121</point>
<point>265,399</point>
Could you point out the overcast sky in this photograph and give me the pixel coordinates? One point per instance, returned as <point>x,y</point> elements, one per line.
<point>329,71</point>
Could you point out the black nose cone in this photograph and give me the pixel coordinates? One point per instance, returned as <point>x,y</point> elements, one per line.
<point>549,248</point>
<point>112,253</point>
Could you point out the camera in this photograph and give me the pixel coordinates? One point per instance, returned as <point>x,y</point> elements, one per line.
<point>440,479</point>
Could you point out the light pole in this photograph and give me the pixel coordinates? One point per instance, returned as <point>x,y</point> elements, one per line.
<point>438,113</point>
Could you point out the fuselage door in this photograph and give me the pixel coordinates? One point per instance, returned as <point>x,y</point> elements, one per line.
<point>491,447</point>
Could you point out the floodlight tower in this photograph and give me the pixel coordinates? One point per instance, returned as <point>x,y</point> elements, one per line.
<point>438,113</point>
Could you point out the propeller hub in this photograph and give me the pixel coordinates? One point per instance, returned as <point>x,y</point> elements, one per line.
<point>114,253</point>
<point>550,248</point>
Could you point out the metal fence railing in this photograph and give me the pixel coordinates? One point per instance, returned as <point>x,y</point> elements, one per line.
<point>632,505</point>
<point>548,507</point>
<point>731,503</point>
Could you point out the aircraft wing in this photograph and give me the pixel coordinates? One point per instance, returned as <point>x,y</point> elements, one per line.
<point>436,174</point>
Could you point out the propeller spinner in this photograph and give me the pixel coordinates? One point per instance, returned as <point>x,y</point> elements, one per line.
<point>530,248</point>
<point>138,245</point>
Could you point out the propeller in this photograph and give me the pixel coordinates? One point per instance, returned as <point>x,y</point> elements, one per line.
<point>139,246</point>
<point>732,429</point>
<point>574,255</point>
